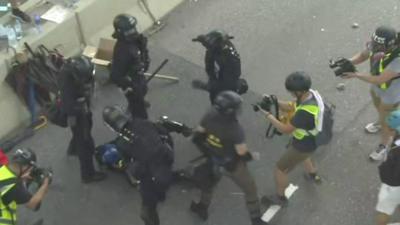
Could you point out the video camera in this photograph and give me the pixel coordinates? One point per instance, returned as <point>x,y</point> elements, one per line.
<point>341,65</point>
<point>39,174</point>
<point>265,104</point>
<point>174,126</point>
<point>269,103</point>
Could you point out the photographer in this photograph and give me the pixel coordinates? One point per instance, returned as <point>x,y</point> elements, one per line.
<point>152,158</point>
<point>221,139</point>
<point>389,173</point>
<point>76,90</point>
<point>303,127</point>
<point>13,179</point>
<point>222,62</point>
<point>383,52</point>
<point>130,61</point>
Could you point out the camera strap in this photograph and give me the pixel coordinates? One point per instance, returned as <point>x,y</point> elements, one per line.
<point>271,131</point>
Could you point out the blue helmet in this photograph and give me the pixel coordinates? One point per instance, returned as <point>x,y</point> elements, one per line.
<point>393,120</point>
<point>110,154</point>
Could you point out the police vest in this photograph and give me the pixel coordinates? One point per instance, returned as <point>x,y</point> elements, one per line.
<point>298,133</point>
<point>8,212</point>
<point>378,67</point>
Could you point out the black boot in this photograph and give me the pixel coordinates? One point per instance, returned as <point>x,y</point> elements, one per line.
<point>275,200</point>
<point>200,209</point>
<point>149,216</point>
<point>96,177</point>
<point>258,221</point>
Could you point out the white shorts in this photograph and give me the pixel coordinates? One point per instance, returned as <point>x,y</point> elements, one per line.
<point>388,199</point>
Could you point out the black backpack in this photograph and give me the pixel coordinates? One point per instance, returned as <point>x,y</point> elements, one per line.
<point>325,135</point>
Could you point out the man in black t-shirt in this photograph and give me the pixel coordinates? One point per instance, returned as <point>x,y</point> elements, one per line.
<point>13,178</point>
<point>389,173</point>
<point>303,127</point>
<point>221,139</point>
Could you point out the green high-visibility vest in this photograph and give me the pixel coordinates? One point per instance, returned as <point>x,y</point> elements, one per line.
<point>379,67</point>
<point>299,134</point>
<point>8,212</point>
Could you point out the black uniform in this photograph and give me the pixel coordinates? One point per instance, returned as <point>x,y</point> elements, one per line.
<point>218,142</point>
<point>130,61</point>
<point>153,165</point>
<point>75,98</point>
<point>223,69</point>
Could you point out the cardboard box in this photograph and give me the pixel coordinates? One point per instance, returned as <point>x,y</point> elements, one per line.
<point>101,55</point>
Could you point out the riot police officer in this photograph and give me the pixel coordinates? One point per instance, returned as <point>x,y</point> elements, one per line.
<point>130,61</point>
<point>76,89</point>
<point>222,62</point>
<point>221,139</point>
<point>153,158</point>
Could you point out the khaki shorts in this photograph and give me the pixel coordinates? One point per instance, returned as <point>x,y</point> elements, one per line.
<point>291,158</point>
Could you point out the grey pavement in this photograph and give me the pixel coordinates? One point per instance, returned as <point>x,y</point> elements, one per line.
<point>274,38</point>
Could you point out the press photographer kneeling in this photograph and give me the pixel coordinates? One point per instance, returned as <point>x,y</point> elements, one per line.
<point>13,182</point>
<point>303,126</point>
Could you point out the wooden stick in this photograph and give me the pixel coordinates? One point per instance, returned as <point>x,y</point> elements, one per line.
<point>165,77</point>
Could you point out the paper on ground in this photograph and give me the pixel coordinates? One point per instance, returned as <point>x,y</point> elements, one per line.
<point>56,14</point>
<point>273,209</point>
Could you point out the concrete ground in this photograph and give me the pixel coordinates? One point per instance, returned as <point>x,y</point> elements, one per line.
<point>274,38</point>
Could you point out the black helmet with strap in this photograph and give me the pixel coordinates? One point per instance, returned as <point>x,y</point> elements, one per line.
<point>24,157</point>
<point>383,39</point>
<point>125,27</point>
<point>114,118</point>
<point>227,102</point>
<point>214,40</point>
<point>82,69</point>
<point>298,81</point>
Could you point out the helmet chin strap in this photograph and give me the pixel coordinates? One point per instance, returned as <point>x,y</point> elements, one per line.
<point>21,172</point>
<point>299,95</point>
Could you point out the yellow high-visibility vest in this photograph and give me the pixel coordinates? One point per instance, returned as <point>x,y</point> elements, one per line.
<point>8,212</point>
<point>299,134</point>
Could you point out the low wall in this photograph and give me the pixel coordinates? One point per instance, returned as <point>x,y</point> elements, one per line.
<point>84,25</point>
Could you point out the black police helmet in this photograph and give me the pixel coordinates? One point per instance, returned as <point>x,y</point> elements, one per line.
<point>228,102</point>
<point>81,67</point>
<point>215,39</point>
<point>384,35</point>
<point>115,118</point>
<point>125,27</point>
<point>24,157</point>
<point>298,81</point>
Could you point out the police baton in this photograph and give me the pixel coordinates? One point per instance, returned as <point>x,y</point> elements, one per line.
<point>157,70</point>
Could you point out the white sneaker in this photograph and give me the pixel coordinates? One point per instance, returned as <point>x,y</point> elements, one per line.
<point>373,128</point>
<point>379,154</point>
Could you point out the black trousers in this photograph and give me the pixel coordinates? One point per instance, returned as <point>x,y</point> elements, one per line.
<point>153,188</point>
<point>82,143</point>
<point>136,98</point>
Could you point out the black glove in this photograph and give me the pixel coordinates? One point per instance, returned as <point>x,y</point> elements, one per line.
<point>201,85</point>
<point>146,65</point>
<point>247,157</point>
<point>242,86</point>
<point>186,131</point>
